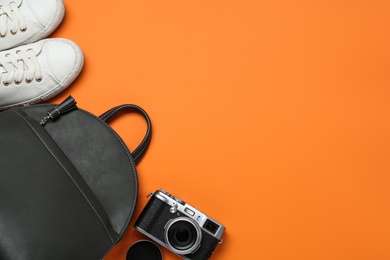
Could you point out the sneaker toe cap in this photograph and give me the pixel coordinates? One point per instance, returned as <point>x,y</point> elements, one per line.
<point>64,59</point>
<point>46,12</point>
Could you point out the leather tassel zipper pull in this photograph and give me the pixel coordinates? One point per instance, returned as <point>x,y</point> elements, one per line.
<point>67,105</point>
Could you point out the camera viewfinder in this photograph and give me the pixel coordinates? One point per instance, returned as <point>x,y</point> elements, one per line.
<point>210,226</point>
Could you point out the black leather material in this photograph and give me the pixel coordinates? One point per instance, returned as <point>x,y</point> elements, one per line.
<point>68,189</point>
<point>47,211</point>
<point>100,156</point>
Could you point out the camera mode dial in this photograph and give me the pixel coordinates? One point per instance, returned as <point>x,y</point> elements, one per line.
<point>166,193</point>
<point>178,200</point>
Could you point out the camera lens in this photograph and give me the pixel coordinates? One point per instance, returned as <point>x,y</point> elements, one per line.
<point>183,235</point>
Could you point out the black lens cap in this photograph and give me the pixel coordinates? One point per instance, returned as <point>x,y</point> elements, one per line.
<point>144,250</point>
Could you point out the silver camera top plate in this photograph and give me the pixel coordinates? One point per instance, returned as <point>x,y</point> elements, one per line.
<point>178,205</point>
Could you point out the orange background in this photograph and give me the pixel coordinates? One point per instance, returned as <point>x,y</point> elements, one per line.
<point>270,116</point>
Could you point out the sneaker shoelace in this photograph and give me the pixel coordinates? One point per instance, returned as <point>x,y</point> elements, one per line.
<point>11,17</point>
<point>13,67</point>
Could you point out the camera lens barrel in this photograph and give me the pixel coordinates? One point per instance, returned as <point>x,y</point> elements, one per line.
<point>183,235</point>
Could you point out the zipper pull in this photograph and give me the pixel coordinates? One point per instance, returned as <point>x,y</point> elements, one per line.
<point>68,104</point>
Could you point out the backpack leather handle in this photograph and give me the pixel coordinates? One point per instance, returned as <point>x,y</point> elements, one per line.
<point>141,148</point>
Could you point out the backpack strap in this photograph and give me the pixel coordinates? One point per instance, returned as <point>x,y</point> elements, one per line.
<point>141,149</point>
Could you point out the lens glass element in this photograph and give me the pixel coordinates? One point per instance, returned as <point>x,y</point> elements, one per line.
<point>183,235</point>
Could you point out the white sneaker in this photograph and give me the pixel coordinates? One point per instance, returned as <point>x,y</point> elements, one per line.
<point>38,71</point>
<point>27,21</point>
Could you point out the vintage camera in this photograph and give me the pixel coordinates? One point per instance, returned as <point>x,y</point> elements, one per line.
<point>179,227</point>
